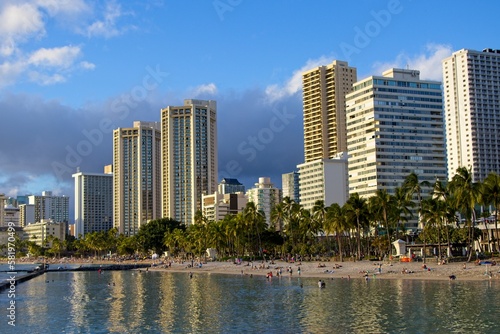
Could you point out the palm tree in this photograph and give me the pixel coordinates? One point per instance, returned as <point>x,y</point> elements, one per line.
<point>255,222</point>
<point>412,186</point>
<point>382,205</point>
<point>278,216</point>
<point>434,213</point>
<point>467,194</point>
<point>441,193</point>
<point>357,206</point>
<point>335,223</point>
<point>402,207</point>
<point>491,195</point>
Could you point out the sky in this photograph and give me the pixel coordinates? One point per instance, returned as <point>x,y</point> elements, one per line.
<point>71,71</point>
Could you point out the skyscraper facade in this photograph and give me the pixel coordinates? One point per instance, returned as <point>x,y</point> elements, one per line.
<point>290,186</point>
<point>324,89</point>
<point>471,85</point>
<point>189,157</point>
<point>395,127</point>
<point>50,207</point>
<point>136,176</point>
<point>93,203</point>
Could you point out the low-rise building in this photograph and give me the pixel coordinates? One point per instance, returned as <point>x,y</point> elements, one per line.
<point>216,206</point>
<point>39,232</point>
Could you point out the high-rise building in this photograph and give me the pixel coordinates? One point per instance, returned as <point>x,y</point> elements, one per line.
<point>290,186</point>
<point>471,85</point>
<point>324,89</point>
<point>136,176</point>
<point>26,214</point>
<point>324,180</point>
<point>230,186</point>
<point>395,127</point>
<point>11,216</point>
<point>93,202</point>
<point>49,207</point>
<point>265,196</point>
<point>2,201</point>
<point>189,157</point>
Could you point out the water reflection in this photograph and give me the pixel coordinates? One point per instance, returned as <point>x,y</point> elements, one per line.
<point>133,302</point>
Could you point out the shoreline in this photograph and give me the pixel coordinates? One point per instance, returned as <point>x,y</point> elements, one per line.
<point>348,270</point>
<point>314,269</point>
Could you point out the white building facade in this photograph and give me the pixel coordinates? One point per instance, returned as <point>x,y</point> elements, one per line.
<point>93,203</point>
<point>471,85</point>
<point>323,180</point>
<point>395,127</point>
<point>50,207</point>
<point>265,196</point>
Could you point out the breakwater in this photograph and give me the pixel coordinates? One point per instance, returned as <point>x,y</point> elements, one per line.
<point>15,278</point>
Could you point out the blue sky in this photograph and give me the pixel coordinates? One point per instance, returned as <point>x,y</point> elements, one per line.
<point>71,70</point>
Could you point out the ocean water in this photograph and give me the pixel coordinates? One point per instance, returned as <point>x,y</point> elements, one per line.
<point>163,302</point>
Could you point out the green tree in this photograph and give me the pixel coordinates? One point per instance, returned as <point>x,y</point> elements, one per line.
<point>412,186</point>
<point>335,223</point>
<point>151,235</point>
<point>357,206</point>
<point>382,206</point>
<point>467,194</point>
<point>402,208</point>
<point>491,195</point>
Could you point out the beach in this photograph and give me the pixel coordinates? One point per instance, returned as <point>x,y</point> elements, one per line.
<point>346,270</point>
<point>394,269</point>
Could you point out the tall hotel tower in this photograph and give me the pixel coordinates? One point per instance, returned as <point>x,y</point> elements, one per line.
<point>323,175</point>
<point>136,176</point>
<point>189,157</point>
<point>93,202</point>
<point>472,111</point>
<point>395,127</point>
<point>324,89</point>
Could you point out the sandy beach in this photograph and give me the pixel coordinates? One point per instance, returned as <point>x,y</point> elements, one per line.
<point>321,270</point>
<point>359,269</point>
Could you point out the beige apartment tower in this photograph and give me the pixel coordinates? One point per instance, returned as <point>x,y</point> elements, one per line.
<point>136,176</point>
<point>189,157</point>
<point>324,89</point>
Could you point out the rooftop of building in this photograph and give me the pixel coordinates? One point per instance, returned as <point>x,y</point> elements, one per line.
<point>230,181</point>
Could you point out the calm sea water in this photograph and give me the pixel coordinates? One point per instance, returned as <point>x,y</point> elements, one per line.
<point>156,302</point>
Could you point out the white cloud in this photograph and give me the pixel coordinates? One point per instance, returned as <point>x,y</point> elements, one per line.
<point>107,27</point>
<point>46,79</point>
<point>61,57</point>
<point>86,65</point>
<point>294,83</point>
<point>63,7</point>
<point>18,22</point>
<point>210,89</point>
<point>9,71</point>
<point>429,63</point>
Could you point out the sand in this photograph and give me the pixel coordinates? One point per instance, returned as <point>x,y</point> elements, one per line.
<point>359,269</point>
<point>322,270</point>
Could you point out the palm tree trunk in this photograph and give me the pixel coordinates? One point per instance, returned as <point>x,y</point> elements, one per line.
<point>423,233</point>
<point>358,237</point>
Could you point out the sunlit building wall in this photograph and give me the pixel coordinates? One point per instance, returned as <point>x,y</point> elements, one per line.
<point>471,85</point>
<point>136,176</point>
<point>189,157</point>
